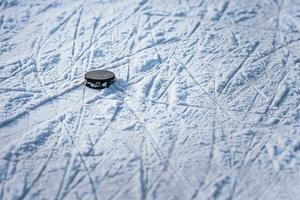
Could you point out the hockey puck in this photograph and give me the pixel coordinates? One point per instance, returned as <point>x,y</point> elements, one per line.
<point>99,79</point>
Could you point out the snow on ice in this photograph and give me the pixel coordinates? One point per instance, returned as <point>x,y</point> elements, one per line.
<point>205,105</point>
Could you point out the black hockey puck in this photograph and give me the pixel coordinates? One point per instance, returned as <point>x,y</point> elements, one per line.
<point>99,79</point>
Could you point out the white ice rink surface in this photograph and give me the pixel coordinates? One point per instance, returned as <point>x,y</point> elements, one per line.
<point>205,106</point>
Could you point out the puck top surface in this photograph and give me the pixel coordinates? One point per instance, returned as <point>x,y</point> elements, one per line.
<point>99,75</point>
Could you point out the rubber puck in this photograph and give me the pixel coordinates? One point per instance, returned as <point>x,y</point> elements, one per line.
<point>99,79</point>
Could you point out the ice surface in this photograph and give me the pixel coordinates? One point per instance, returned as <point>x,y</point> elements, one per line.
<point>205,106</point>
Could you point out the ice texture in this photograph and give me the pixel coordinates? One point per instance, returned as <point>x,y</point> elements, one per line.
<point>205,104</point>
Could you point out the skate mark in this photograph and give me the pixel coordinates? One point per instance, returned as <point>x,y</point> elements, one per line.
<point>40,173</point>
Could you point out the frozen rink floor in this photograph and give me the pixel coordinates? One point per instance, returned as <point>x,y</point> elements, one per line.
<point>205,106</point>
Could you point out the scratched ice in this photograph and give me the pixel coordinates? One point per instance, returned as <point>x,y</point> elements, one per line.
<point>205,106</point>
